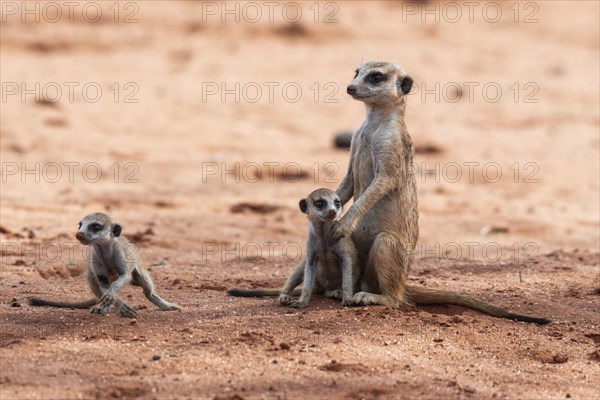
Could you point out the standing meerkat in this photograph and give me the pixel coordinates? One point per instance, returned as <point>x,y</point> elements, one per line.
<point>326,269</point>
<point>113,264</point>
<point>383,221</point>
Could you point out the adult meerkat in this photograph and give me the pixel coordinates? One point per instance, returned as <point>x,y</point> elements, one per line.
<point>383,221</point>
<point>326,269</point>
<point>113,264</point>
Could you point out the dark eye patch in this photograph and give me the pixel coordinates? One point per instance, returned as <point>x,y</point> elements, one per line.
<point>319,203</point>
<point>376,77</point>
<point>96,227</point>
<point>337,203</point>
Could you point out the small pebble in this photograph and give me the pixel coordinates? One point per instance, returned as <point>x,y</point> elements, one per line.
<point>343,140</point>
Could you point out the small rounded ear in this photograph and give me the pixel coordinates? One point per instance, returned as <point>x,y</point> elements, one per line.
<point>116,230</point>
<point>303,205</point>
<point>405,84</point>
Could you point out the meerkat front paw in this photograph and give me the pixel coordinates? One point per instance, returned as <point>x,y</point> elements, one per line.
<point>341,229</point>
<point>99,310</point>
<point>126,311</point>
<point>299,304</point>
<point>285,299</point>
<point>347,302</point>
<point>106,300</point>
<point>347,299</point>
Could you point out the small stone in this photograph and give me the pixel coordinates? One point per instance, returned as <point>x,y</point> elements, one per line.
<point>155,357</point>
<point>343,140</point>
<point>559,359</point>
<point>493,230</point>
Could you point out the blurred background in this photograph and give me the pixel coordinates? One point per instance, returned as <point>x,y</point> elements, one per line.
<point>212,119</point>
<point>199,125</point>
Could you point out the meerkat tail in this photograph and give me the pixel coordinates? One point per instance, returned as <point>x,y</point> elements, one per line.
<point>34,301</point>
<point>422,295</point>
<point>258,292</point>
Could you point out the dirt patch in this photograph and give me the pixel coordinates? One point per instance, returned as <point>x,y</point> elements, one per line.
<point>61,271</point>
<point>241,208</point>
<point>335,366</point>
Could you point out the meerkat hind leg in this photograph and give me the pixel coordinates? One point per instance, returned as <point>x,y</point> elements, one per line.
<point>295,279</point>
<point>387,254</point>
<point>142,278</point>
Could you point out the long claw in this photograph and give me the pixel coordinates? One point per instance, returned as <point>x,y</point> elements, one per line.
<point>285,300</point>
<point>99,310</point>
<point>298,304</point>
<point>125,311</point>
<point>128,313</point>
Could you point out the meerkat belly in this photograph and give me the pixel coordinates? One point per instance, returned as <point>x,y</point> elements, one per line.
<point>362,180</point>
<point>103,269</point>
<point>112,277</point>
<point>106,277</point>
<point>391,214</point>
<point>329,271</point>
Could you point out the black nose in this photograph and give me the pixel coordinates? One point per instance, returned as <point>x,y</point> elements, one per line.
<point>351,89</point>
<point>80,235</point>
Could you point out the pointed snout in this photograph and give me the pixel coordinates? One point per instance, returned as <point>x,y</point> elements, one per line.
<point>332,213</point>
<point>351,89</point>
<point>80,236</point>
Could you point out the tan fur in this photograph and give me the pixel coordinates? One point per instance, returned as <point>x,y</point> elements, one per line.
<point>383,221</point>
<point>113,264</point>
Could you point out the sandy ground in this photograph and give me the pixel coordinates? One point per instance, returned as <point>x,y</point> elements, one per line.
<point>200,136</point>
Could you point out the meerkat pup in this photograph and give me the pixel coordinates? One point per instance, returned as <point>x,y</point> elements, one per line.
<point>326,269</point>
<point>324,263</point>
<point>113,264</point>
